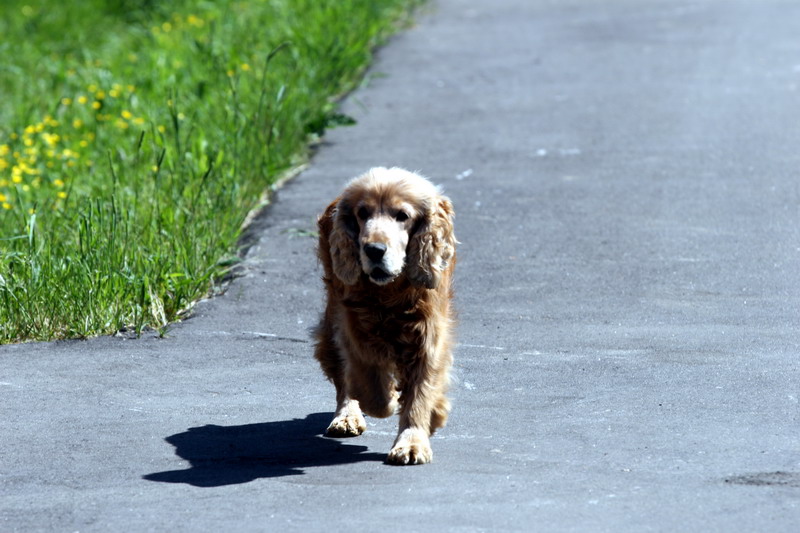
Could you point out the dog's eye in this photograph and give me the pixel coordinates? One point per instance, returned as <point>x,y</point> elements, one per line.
<point>401,216</point>
<point>363,213</point>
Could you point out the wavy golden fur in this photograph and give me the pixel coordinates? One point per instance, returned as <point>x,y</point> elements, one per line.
<point>388,251</point>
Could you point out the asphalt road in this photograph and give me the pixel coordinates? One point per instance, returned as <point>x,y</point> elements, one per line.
<point>625,175</point>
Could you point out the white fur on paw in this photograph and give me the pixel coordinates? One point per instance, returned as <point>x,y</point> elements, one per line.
<point>347,426</point>
<point>412,447</point>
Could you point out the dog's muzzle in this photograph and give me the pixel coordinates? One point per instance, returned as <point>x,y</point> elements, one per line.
<point>380,275</point>
<point>375,252</point>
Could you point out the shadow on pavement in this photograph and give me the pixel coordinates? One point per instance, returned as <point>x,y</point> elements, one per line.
<point>228,455</point>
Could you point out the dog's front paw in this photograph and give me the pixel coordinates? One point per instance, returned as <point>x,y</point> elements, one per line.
<point>347,425</point>
<point>412,447</point>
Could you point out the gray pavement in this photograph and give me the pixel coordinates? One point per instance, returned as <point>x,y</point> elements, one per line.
<point>625,175</point>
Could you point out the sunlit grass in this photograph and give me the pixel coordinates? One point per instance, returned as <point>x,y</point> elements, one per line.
<point>136,135</point>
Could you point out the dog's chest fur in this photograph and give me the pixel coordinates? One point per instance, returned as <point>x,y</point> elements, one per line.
<point>389,323</point>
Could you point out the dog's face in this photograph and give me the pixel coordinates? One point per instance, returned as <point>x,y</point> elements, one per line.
<point>384,227</point>
<point>389,222</point>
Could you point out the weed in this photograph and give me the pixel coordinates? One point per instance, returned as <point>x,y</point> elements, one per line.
<point>136,136</point>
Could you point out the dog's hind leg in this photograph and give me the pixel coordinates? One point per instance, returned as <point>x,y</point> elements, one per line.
<point>373,386</point>
<point>327,353</point>
<point>441,409</point>
<point>441,405</point>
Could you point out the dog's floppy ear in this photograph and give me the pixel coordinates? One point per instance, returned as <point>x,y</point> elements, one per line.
<point>432,244</point>
<point>343,242</point>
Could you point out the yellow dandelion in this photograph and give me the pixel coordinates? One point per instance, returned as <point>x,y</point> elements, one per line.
<point>61,194</point>
<point>26,188</point>
<point>27,141</point>
<point>6,205</point>
<point>70,163</point>
<point>181,116</point>
<point>3,164</point>
<point>121,124</point>
<point>100,95</point>
<point>84,143</point>
<point>162,129</point>
<point>51,138</point>
<point>39,127</point>
<point>230,73</point>
<point>113,93</point>
<point>90,136</point>
<point>58,183</point>
<point>16,178</point>
<point>245,67</point>
<point>3,197</point>
<point>154,168</point>
<point>139,121</point>
<point>96,105</point>
<point>30,130</point>
<point>92,88</point>
<point>195,21</point>
<point>31,211</point>
<point>127,115</point>
<point>82,99</point>
<point>130,88</point>
<point>66,101</point>
<point>4,149</point>
<point>77,123</point>
<point>67,153</point>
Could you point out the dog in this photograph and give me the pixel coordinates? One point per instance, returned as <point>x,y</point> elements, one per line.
<point>388,252</point>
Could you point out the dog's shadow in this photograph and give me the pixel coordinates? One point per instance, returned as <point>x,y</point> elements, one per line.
<point>228,455</point>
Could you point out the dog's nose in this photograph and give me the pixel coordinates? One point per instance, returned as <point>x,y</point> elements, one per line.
<point>375,251</point>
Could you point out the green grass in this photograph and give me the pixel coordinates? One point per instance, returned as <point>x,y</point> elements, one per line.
<point>136,135</point>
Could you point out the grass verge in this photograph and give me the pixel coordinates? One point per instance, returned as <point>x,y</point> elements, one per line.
<point>136,135</point>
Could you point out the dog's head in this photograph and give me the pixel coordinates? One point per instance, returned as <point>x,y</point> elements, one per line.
<point>388,222</point>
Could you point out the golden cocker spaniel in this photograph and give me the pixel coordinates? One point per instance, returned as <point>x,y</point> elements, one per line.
<point>388,251</point>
